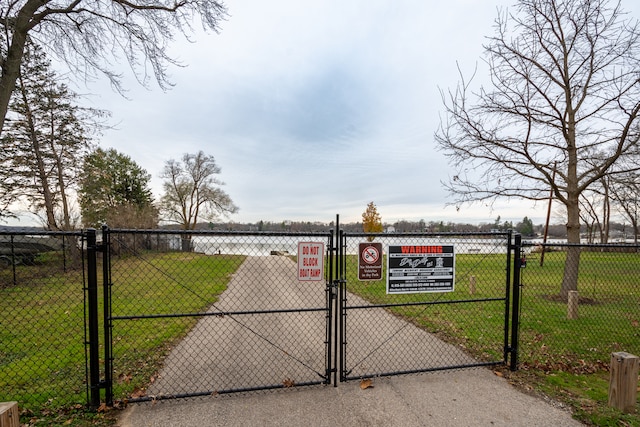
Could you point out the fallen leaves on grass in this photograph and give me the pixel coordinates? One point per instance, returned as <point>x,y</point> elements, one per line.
<point>566,364</point>
<point>137,393</point>
<point>103,408</point>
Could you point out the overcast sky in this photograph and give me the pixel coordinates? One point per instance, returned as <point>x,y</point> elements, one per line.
<point>314,109</point>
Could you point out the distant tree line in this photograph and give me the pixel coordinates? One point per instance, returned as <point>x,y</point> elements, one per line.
<point>526,227</point>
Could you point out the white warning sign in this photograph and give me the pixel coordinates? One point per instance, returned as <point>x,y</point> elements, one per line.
<point>310,261</point>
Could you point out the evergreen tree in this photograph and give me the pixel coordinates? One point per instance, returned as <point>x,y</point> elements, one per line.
<point>115,190</point>
<point>45,139</point>
<point>525,227</point>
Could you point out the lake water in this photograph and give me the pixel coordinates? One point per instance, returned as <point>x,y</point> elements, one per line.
<point>258,245</point>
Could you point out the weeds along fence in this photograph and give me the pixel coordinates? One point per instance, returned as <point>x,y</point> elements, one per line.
<point>42,319</point>
<point>606,319</point>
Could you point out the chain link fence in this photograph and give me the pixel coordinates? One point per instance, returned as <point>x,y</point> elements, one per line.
<point>579,334</point>
<point>42,318</point>
<point>206,313</point>
<point>439,302</point>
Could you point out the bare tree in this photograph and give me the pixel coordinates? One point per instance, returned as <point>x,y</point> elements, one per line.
<point>86,34</point>
<point>595,214</point>
<point>191,191</point>
<point>625,193</point>
<point>565,88</point>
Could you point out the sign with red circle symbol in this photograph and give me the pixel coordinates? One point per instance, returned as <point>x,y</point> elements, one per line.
<point>370,254</point>
<point>370,261</point>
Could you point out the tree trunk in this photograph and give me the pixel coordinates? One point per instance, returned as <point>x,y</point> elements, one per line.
<point>187,245</point>
<point>44,185</point>
<point>572,263</point>
<point>42,179</point>
<point>62,185</point>
<point>606,209</point>
<point>11,65</point>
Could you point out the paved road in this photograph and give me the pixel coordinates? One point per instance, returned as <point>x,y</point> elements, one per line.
<point>255,348</point>
<point>220,353</point>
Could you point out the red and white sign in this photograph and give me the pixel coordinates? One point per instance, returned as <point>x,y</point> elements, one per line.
<point>370,254</point>
<point>310,261</point>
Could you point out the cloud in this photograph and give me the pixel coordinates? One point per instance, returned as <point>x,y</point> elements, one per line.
<point>313,108</point>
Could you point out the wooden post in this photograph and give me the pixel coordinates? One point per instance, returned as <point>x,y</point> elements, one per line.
<point>623,381</point>
<point>472,285</point>
<point>9,415</point>
<point>572,305</point>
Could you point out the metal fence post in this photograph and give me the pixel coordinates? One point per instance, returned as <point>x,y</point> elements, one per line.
<point>337,360</point>
<point>106,284</point>
<point>342,300</point>
<point>331,309</point>
<point>515,315</point>
<point>507,294</point>
<point>94,344</point>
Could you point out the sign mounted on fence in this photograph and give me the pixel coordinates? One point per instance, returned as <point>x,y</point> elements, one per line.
<point>370,261</point>
<point>420,268</point>
<point>310,261</point>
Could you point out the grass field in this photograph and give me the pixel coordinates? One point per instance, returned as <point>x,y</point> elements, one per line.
<point>566,359</point>
<point>42,358</point>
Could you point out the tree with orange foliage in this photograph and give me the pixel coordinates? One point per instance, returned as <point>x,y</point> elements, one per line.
<point>371,221</point>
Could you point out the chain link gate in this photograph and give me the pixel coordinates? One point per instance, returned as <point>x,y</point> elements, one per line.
<point>205,313</point>
<point>385,333</point>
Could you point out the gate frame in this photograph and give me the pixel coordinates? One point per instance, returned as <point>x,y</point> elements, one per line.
<point>96,384</point>
<point>510,347</point>
<point>335,296</point>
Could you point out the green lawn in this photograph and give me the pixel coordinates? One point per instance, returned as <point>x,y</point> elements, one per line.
<point>42,363</point>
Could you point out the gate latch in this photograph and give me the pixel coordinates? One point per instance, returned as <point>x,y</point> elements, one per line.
<point>523,261</point>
